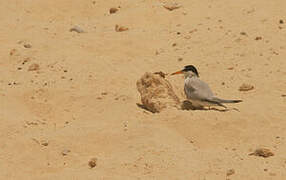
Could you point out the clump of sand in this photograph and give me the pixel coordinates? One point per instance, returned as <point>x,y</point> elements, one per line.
<point>156,92</point>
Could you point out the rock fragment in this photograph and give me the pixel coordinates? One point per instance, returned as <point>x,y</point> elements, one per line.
<point>230,172</point>
<point>113,10</point>
<point>77,29</point>
<point>92,162</point>
<point>119,28</point>
<point>65,152</point>
<point>171,6</point>
<point>262,152</point>
<point>34,67</point>
<point>246,87</point>
<point>27,45</point>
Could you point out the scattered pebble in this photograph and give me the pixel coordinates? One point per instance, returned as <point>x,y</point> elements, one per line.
<point>44,143</point>
<point>180,59</point>
<point>171,6</point>
<point>230,172</point>
<point>92,162</point>
<point>12,52</point>
<point>27,45</point>
<point>65,152</point>
<point>246,87</point>
<point>262,152</point>
<point>243,33</point>
<point>113,10</point>
<point>120,28</point>
<point>34,67</point>
<point>77,29</point>
<point>187,37</point>
<point>104,93</point>
<point>281,21</point>
<point>194,30</point>
<point>14,83</point>
<point>258,38</point>
<point>230,68</point>
<point>283,95</point>
<point>25,61</point>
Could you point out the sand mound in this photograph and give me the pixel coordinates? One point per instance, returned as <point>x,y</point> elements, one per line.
<point>156,92</point>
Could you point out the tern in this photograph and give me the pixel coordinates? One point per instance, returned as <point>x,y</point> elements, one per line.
<point>198,92</point>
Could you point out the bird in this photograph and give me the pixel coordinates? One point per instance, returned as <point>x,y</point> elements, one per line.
<point>198,92</point>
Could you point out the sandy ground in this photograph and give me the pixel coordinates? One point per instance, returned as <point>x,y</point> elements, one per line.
<point>81,98</point>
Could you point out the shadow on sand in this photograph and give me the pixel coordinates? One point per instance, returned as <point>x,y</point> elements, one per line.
<point>187,105</point>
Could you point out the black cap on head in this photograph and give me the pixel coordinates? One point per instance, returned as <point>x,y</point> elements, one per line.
<point>191,68</point>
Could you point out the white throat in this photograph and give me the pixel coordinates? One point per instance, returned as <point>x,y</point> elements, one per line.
<point>190,74</point>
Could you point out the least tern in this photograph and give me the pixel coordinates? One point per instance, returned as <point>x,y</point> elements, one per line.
<point>198,92</point>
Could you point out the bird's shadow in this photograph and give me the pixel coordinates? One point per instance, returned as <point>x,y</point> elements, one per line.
<point>187,105</point>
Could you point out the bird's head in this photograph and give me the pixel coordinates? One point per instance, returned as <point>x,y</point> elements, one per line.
<point>188,71</point>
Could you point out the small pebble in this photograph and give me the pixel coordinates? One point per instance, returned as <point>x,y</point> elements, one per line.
<point>120,28</point>
<point>34,67</point>
<point>104,93</point>
<point>113,10</point>
<point>77,29</point>
<point>258,38</point>
<point>44,143</point>
<point>12,52</point>
<point>194,30</point>
<point>27,45</point>
<point>246,87</point>
<point>281,21</point>
<point>243,33</point>
<point>171,6</point>
<point>230,172</point>
<point>65,152</point>
<point>92,162</point>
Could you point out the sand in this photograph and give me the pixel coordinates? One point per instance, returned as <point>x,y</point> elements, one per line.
<point>68,97</point>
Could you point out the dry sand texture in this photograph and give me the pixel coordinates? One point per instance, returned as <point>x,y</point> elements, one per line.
<point>67,97</point>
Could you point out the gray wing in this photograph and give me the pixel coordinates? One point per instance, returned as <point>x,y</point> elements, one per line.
<point>197,89</point>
